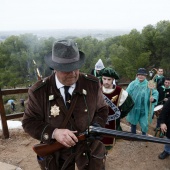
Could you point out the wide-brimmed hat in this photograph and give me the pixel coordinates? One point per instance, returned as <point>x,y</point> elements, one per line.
<point>65,56</point>
<point>142,71</point>
<point>109,72</point>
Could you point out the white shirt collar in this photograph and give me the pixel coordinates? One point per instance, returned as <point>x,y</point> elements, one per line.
<point>60,85</point>
<point>105,90</point>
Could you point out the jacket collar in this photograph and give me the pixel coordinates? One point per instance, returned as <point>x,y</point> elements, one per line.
<point>55,91</point>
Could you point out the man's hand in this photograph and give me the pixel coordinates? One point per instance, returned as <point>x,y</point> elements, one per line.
<point>165,99</point>
<point>163,128</point>
<point>65,137</point>
<point>151,99</point>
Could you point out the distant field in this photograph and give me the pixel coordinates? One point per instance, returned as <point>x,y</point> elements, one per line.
<point>61,33</point>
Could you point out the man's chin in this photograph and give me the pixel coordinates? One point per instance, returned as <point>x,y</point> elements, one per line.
<point>106,86</point>
<point>71,81</point>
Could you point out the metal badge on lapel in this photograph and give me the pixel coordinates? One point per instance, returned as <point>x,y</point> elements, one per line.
<point>55,110</point>
<point>51,97</point>
<point>84,92</point>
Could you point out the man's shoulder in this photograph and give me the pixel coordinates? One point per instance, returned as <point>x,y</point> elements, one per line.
<point>161,88</point>
<point>39,84</point>
<point>167,90</point>
<point>132,83</point>
<point>120,90</point>
<point>89,77</point>
<point>118,87</point>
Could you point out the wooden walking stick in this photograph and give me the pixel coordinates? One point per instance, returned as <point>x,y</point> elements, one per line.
<point>151,86</point>
<point>39,76</point>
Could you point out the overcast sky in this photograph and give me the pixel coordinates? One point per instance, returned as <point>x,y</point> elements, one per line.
<point>81,14</point>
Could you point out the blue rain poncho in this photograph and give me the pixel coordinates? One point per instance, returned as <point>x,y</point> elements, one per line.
<point>142,110</point>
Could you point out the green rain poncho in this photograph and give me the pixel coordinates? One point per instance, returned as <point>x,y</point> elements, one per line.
<point>142,110</point>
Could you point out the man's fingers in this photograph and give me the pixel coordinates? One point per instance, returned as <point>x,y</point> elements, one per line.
<point>70,141</point>
<point>66,137</point>
<point>164,130</point>
<point>73,136</point>
<point>65,144</point>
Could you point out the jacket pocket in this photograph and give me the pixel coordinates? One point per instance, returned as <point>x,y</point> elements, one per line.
<point>98,149</point>
<point>97,156</point>
<point>91,156</point>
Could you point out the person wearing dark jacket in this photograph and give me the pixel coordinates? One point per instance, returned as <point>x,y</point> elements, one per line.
<point>159,79</point>
<point>165,127</point>
<point>64,105</point>
<point>164,94</point>
<point>164,91</point>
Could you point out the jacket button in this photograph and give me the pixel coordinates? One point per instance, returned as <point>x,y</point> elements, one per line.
<point>46,136</point>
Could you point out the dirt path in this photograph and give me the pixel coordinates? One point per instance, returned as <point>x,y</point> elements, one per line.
<point>126,155</point>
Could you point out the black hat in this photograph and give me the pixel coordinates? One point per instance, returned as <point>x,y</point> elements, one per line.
<point>65,56</point>
<point>142,71</point>
<point>109,72</point>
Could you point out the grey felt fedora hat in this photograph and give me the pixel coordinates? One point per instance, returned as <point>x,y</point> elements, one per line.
<point>65,56</point>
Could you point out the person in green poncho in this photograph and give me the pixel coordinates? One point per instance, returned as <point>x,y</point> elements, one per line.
<point>144,98</point>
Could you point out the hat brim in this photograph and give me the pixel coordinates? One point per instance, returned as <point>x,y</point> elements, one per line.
<point>145,74</point>
<point>67,67</point>
<point>109,72</point>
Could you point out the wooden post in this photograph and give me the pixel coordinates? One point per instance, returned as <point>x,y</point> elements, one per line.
<point>3,115</point>
<point>3,118</point>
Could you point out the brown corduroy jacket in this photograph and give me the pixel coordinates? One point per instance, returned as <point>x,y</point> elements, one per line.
<point>90,107</point>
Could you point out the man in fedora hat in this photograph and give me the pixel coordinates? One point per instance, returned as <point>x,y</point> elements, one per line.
<point>118,100</point>
<point>145,98</point>
<point>63,105</point>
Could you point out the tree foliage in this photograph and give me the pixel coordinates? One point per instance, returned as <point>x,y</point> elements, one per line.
<point>148,48</point>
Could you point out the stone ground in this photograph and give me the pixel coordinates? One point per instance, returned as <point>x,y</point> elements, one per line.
<point>126,155</point>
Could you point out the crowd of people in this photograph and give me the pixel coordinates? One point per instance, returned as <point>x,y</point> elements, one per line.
<point>68,102</point>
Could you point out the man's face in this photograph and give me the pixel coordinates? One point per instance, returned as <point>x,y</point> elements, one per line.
<point>167,83</point>
<point>141,77</point>
<point>107,82</point>
<point>67,78</point>
<point>98,71</point>
<point>160,72</point>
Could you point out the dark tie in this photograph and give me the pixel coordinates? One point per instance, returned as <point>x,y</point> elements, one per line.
<point>67,96</point>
